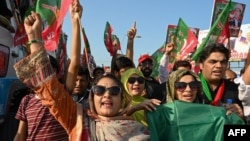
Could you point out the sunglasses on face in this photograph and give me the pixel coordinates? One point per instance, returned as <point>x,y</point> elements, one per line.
<point>181,86</point>
<point>140,80</point>
<point>144,64</point>
<point>100,90</point>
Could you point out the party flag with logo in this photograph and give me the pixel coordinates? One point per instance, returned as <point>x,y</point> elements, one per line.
<point>185,40</point>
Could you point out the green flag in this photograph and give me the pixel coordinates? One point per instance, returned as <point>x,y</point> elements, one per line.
<point>184,121</point>
<point>48,9</point>
<point>215,31</point>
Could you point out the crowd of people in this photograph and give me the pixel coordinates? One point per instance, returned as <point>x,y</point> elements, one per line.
<point>127,103</point>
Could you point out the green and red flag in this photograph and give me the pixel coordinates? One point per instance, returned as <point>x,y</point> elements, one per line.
<point>52,13</point>
<point>156,56</point>
<point>108,39</point>
<point>185,40</point>
<point>214,34</point>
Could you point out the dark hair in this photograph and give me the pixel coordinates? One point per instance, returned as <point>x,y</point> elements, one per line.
<point>121,62</point>
<point>98,68</point>
<point>83,71</point>
<point>214,47</point>
<point>181,63</point>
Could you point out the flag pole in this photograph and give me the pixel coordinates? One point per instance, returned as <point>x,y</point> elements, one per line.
<point>211,20</point>
<point>85,50</point>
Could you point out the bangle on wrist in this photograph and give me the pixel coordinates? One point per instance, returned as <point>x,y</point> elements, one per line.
<point>34,41</point>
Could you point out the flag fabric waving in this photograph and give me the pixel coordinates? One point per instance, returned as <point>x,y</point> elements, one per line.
<point>52,13</point>
<point>185,40</point>
<point>184,121</point>
<point>108,41</point>
<point>215,31</point>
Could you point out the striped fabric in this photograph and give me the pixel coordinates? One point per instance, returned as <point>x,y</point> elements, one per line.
<point>41,124</point>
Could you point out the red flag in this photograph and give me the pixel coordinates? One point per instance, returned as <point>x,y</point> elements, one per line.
<point>190,44</point>
<point>225,33</point>
<point>20,36</point>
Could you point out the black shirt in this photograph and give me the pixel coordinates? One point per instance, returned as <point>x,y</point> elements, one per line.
<point>230,92</point>
<point>155,90</point>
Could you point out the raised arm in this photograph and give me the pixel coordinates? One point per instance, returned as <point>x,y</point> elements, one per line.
<point>75,14</point>
<point>246,74</point>
<point>163,72</point>
<point>37,73</point>
<point>130,45</point>
<point>244,89</point>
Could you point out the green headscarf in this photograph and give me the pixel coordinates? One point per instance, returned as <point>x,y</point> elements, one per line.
<point>124,79</point>
<point>173,77</point>
<point>138,115</point>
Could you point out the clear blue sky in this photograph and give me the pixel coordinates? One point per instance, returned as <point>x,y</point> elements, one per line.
<point>152,18</point>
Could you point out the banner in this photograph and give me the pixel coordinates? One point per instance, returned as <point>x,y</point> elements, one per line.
<point>235,18</point>
<point>214,32</point>
<point>239,46</point>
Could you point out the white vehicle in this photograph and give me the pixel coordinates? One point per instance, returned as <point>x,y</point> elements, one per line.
<point>11,89</point>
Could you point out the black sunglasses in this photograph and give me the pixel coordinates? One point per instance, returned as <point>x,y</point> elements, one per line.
<point>146,63</point>
<point>100,90</point>
<point>181,86</point>
<point>139,79</point>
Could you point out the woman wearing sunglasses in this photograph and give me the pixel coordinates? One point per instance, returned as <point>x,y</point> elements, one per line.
<point>134,84</point>
<point>183,85</point>
<point>104,119</point>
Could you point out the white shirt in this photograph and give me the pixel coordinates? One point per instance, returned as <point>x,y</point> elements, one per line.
<point>244,95</point>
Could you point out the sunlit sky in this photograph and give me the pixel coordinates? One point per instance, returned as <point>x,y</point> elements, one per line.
<point>152,19</point>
